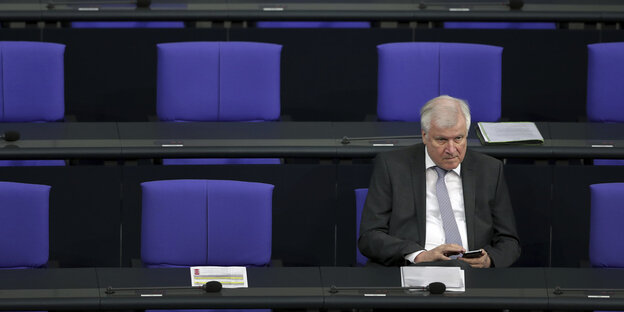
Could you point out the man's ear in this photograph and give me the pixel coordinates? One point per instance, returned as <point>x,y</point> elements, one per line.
<point>423,135</point>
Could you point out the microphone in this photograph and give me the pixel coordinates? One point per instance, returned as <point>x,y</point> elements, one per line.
<point>559,290</point>
<point>435,288</point>
<point>516,4</point>
<point>10,136</point>
<point>347,140</point>
<point>143,3</point>
<point>209,287</point>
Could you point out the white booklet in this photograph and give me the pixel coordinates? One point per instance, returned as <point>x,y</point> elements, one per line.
<point>509,132</point>
<point>228,276</point>
<point>422,276</point>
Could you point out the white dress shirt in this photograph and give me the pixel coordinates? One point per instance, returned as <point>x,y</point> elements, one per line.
<point>434,229</point>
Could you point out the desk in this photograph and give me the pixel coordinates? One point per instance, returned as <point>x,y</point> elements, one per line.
<point>58,140</point>
<point>132,140</point>
<point>304,288</point>
<point>268,288</point>
<point>517,288</point>
<point>53,289</point>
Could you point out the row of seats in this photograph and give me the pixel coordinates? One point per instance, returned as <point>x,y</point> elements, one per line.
<point>184,223</point>
<point>240,81</point>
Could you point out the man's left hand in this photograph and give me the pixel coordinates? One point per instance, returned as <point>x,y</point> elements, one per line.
<point>482,262</point>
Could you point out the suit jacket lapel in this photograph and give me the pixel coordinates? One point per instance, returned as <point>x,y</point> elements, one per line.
<point>468,185</point>
<point>417,168</point>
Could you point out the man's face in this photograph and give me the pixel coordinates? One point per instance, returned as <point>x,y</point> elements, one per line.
<point>446,146</point>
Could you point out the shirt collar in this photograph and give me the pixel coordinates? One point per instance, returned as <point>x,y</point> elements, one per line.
<point>429,163</point>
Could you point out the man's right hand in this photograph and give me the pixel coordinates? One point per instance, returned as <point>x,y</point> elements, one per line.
<point>441,252</point>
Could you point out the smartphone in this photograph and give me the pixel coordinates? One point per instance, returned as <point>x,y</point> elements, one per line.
<point>473,253</point>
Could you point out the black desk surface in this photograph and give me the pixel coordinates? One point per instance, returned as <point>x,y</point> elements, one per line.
<point>268,288</point>
<point>52,140</point>
<point>522,288</point>
<point>133,140</point>
<point>48,289</point>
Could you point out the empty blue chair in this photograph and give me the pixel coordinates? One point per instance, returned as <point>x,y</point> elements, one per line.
<point>24,225</point>
<point>606,231</point>
<point>500,25</point>
<point>313,24</point>
<point>32,87</point>
<point>411,73</point>
<point>206,222</point>
<point>32,81</point>
<point>605,89</point>
<point>218,81</point>
<point>360,199</point>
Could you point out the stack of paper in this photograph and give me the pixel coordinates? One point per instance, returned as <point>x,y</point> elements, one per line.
<point>415,276</point>
<point>509,132</point>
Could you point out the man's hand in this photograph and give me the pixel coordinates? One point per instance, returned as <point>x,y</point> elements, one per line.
<point>482,262</point>
<point>441,252</point>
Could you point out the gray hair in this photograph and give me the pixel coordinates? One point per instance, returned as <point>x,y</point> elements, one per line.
<point>444,111</point>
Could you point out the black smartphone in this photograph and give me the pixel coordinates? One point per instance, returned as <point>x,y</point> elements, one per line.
<point>473,253</point>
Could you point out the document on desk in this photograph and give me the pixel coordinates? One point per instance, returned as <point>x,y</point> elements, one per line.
<point>228,276</point>
<point>509,133</point>
<point>452,277</point>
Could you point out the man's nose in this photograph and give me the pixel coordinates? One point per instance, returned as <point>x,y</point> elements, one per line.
<point>451,148</point>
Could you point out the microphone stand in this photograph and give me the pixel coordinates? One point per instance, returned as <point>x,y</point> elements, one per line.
<point>347,140</point>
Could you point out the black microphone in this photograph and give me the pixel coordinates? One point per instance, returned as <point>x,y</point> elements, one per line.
<point>435,288</point>
<point>10,136</point>
<point>143,3</point>
<point>560,290</point>
<point>209,287</point>
<point>516,4</point>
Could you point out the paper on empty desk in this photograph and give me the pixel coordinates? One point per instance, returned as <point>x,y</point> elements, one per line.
<point>452,277</point>
<point>509,132</point>
<point>229,277</point>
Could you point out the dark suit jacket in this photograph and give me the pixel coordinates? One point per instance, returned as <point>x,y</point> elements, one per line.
<point>393,219</point>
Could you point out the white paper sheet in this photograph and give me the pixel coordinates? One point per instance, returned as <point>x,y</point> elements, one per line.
<point>229,277</point>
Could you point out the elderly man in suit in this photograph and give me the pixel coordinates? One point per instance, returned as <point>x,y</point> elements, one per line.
<point>429,203</point>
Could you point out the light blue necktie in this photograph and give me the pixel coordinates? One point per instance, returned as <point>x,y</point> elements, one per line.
<point>451,231</point>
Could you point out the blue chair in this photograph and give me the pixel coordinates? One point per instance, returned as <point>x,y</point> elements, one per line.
<point>24,235</point>
<point>500,25</point>
<point>312,24</point>
<point>605,67</point>
<point>606,231</point>
<point>360,199</point>
<point>206,222</point>
<point>218,81</point>
<point>128,24</point>
<point>32,87</point>
<point>411,73</point>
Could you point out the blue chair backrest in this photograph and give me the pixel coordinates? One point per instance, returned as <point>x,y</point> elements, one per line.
<point>218,81</point>
<point>411,73</point>
<point>606,231</point>
<point>206,222</point>
<point>360,199</point>
<point>32,81</point>
<point>24,235</point>
<point>605,87</point>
